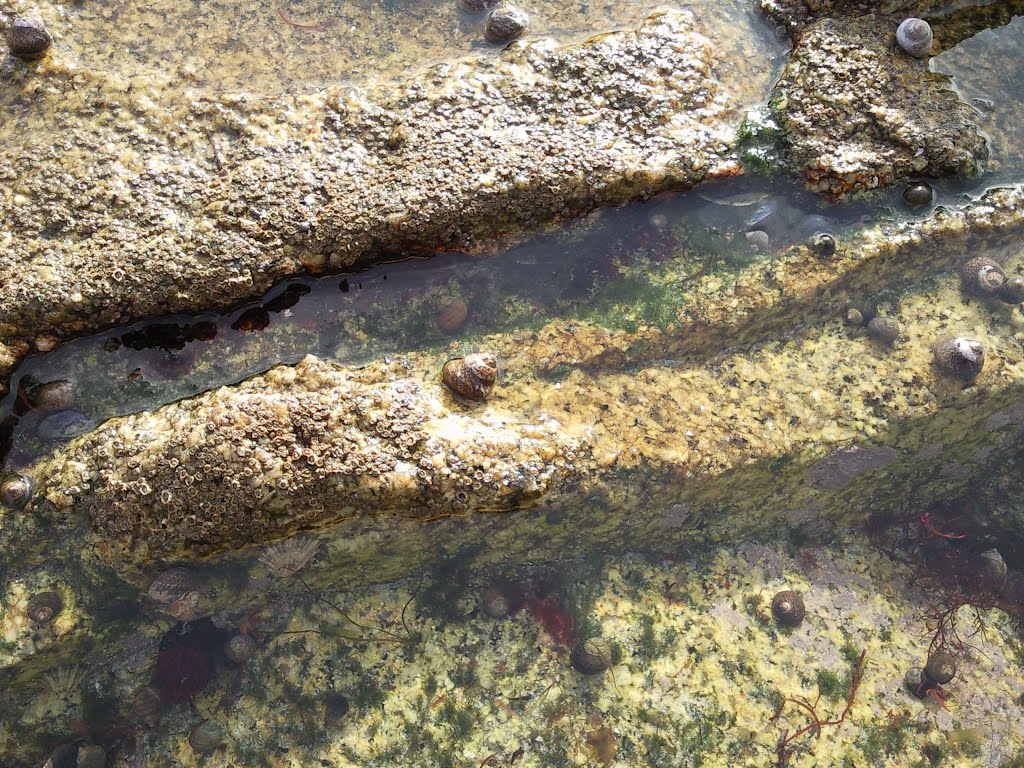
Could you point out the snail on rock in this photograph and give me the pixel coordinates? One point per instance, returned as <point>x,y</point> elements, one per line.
<point>914,36</point>
<point>960,357</point>
<point>471,377</point>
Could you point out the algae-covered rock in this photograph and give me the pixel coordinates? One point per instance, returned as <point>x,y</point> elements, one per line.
<point>856,114</point>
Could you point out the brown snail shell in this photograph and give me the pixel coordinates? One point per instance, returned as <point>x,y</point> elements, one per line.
<point>788,608</point>
<point>505,23</point>
<point>982,276</point>
<point>16,491</point>
<point>176,593</point>
<point>205,738</point>
<point>960,357</point>
<point>27,38</point>
<point>452,315</point>
<point>992,570</point>
<point>43,607</point>
<point>591,657</point>
<point>941,667</point>
<point>885,329</point>
<point>471,377</point>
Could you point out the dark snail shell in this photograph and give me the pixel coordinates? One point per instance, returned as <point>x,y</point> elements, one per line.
<point>505,23</point>
<point>1012,291</point>
<point>591,657</point>
<point>822,244</point>
<point>917,682</point>
<point>992,570</point>
<point>471,377</point>
<point>495,602</point>
<point>336,706</point>
<point>27,38</point>
<point>918,195</point>
<point>205,738</point>
<point>240,648</point>
<point>885,329</point>
<point>941,667</point>
<point>788,608</point>
<point>43,607</point>
<point>960,357</point>
<point>16,491</point>
<point>914,36</point>
<point>982,276</point>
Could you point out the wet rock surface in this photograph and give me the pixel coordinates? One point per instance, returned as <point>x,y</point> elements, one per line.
<point>857,114</point>
<point>337,179</point>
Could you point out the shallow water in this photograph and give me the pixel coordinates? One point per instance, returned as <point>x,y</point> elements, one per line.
<point>475,659</point>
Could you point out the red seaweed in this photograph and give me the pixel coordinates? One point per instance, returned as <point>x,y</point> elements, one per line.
<point>556,621</point>
<point>187,659</point>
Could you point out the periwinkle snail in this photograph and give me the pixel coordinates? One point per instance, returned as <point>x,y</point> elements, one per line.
<point>505,23</point>
<point>914,36</point>
<point>960,357</point>
<point>788,608</point>
<point>982,276</point>
<point>16,491</point>
<point>27,38</point>
<point>471,377</point>
<point>1012,291</point>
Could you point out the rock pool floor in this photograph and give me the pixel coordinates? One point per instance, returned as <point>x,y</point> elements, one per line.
<point>700,670</point>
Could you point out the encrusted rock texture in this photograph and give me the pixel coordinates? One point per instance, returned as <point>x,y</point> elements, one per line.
<point>857,113</point>
<point>300,446</point>
<point>121,220</point>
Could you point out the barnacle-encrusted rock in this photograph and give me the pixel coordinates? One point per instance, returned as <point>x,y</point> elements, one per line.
<point>298,447</point>
<point>855,117</point>
<point>494,145</point>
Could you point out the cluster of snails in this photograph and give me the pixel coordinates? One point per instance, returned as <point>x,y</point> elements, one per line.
<point>471,378</point>
<point>882,328</point>
<point>505,22</point>
<point>27,38</point>
<point>985,277</point>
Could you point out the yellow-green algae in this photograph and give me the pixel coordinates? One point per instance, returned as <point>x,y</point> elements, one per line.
<point>701,670</point>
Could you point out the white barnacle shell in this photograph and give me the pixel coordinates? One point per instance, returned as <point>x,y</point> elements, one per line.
<point>968,349</point>
<point>914,36</point>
